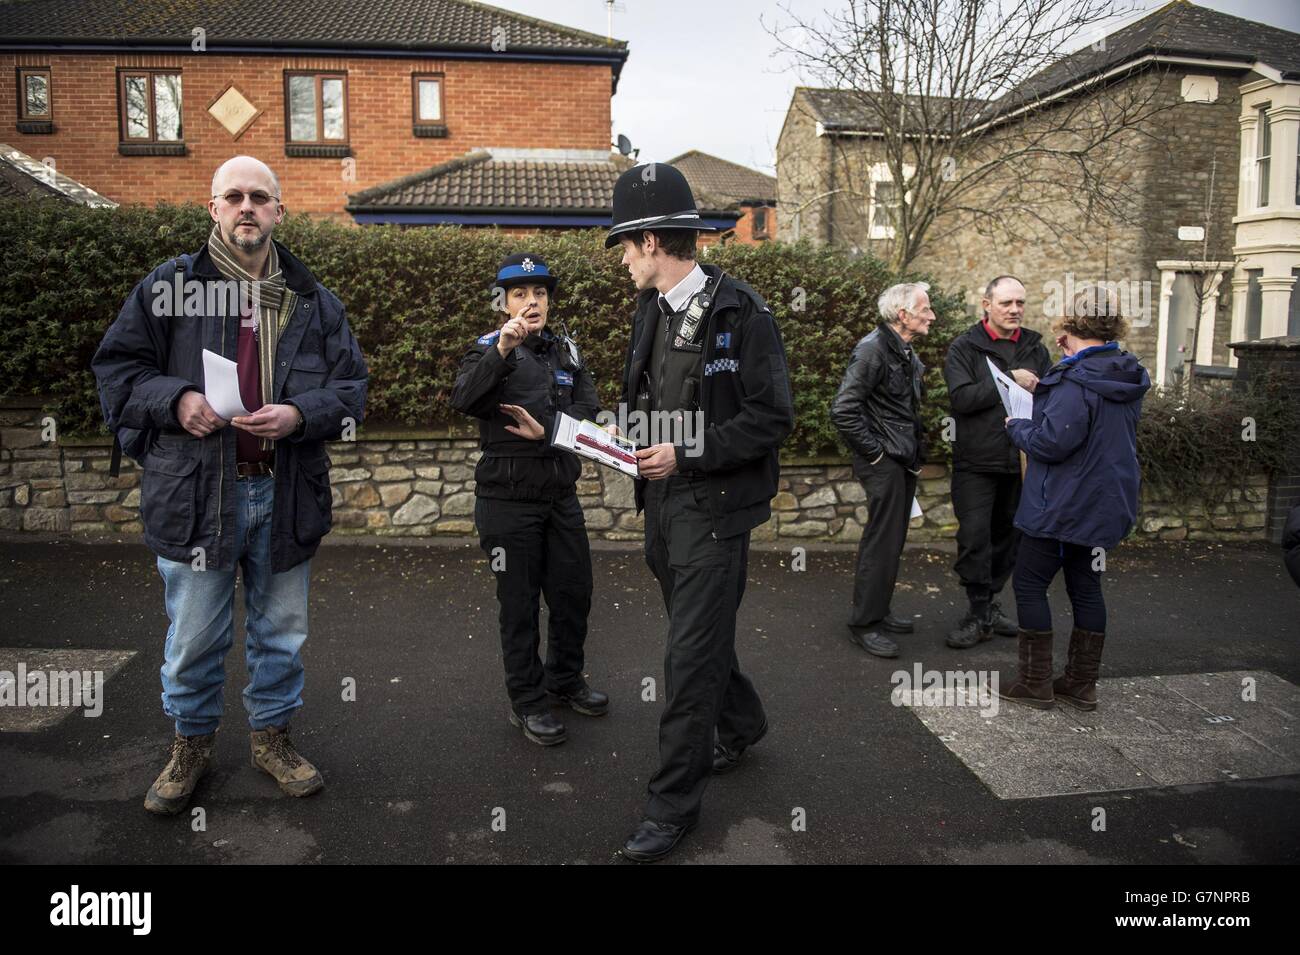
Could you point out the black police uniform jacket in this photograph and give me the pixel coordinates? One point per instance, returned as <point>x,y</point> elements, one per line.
<point>877,409</point>
<point>187,489</point>
<point>744,394</point>
<point>538,375</point>
<point>981,435</point>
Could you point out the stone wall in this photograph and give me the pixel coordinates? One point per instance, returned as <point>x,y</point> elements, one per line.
<point>421,484</point>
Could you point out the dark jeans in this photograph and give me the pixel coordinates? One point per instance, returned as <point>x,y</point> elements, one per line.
<point>1036,566</point>
<point>702,580</point>
<point>890,488</point>
<point>985,504</point>
<point>543,550</point>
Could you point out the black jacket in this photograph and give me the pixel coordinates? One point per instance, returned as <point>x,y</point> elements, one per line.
<point>744,394</point>
<point>877,409</point>
<point>981,436</point>
<point>187,489</point>
<point>538,375</point>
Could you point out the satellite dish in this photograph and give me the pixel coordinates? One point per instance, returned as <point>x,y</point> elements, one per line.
<point>624,145</point>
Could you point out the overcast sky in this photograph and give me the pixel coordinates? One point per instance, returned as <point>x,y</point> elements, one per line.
<point>705,74</point>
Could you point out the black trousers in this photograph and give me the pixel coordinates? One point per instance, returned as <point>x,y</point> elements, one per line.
<point>985,504</point>
<point>702,580</point>
<point>890,488</point>
<point>538,548</point>
<point>1041,559</point>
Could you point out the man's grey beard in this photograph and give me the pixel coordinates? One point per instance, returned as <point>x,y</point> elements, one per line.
<point>247,244</point>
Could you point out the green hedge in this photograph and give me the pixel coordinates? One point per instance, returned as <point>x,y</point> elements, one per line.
<point>416,298</point>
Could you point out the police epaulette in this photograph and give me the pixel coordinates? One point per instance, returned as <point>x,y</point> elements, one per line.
<point>490,337</point>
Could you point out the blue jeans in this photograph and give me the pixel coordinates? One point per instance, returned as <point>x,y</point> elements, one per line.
<point>201,607</point>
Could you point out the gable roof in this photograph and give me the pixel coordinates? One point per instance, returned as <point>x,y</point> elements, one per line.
<point>425,27</point>
<point>1178,29</point>
<point>505,187</point>
<point>853,111</point>
<point>722,181</point>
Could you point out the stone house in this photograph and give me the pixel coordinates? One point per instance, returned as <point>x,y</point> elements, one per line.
<point>1223,135</point>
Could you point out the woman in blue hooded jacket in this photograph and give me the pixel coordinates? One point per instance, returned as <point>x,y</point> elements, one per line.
<point>1080,495</point>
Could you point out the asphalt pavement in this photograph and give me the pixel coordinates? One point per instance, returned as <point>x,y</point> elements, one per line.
<point>423,765</point>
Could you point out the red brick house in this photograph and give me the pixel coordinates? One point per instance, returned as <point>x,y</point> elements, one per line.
<point>142,101</point>
<point>721,184</point>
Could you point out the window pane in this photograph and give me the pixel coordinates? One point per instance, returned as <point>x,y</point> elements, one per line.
<point>302,108</point>
<point>331,94</point>
<point>1262,169</point>
<point>430,103</point>
<point>167,106</point>
<point>38,95</point>
<point>137,107</point>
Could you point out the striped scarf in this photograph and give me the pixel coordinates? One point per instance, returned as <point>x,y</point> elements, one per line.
<point>275,302</point>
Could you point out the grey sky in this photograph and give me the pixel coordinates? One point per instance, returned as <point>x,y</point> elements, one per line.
<point>704,74</point>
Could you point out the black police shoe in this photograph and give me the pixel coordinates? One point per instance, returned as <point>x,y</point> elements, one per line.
<point>873,642</point>
<point>542,728</point>
<point>726,759</point>
<point>999,622</point>
<point>970,631</point>
<point>584,700</point>
<point>653,840</point>
<point>896,624</point>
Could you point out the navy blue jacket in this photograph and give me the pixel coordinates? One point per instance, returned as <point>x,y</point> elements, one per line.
<point>146,361</point>
<point>1081,486</point>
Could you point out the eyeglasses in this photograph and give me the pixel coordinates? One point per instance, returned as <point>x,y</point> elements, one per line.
<point>236,198</point>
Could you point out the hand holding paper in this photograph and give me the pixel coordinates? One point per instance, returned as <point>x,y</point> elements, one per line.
<point>1018,402</point>
<point>221,385</point>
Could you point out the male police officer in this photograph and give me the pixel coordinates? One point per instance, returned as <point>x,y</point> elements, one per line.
<point>704,348</point>
<point>985,465</point>
<point>517,380</point>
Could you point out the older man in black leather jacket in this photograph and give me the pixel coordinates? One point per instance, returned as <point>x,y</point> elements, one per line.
<point>878,413</point>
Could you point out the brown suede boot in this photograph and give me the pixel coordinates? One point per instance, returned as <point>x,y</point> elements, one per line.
<point>1033,686</point>
<point>1078,684</point>
<point>274,753</point>
<point>171,791</point>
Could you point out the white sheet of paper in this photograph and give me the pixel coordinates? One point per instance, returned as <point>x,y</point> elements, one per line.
<point>221,385</point>
<point>1018,402</point>
<point>916,509</point>
<point>592,441</point>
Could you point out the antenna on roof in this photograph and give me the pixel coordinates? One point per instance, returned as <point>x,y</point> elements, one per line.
<point>612,7</point>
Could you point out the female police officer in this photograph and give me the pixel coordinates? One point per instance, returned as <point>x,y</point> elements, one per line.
<point>516,381</point>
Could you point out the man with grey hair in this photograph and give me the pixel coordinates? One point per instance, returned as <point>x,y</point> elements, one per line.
<point>223,492</point>
<point>878,413</point>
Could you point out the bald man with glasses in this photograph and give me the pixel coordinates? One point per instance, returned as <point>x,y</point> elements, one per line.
<point>245,493</point>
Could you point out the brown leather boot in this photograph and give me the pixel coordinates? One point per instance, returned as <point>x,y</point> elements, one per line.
<point>1033,686</point>
<point>171,791</point>
<point>1078,684</point>
<point>274,753</point>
